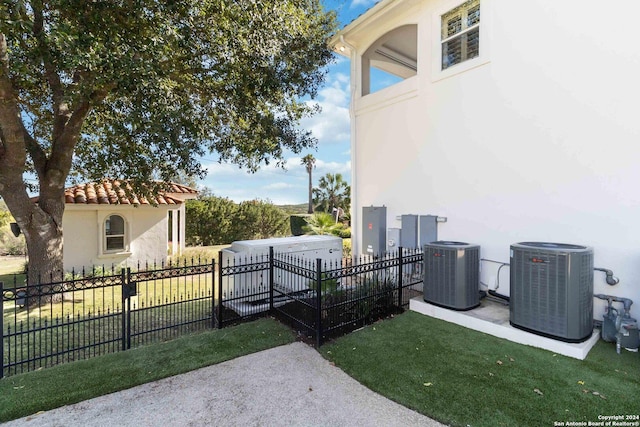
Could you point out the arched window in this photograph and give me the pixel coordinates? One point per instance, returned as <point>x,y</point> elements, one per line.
<point>114,233</point>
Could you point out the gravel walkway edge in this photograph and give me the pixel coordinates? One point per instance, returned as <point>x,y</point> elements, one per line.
<point>291,385</point>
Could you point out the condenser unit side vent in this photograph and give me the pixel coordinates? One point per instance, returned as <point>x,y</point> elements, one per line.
<point>551,290</point>
<point>451,274</point>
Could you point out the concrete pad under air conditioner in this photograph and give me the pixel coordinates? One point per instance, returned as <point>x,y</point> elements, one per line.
<point>493,318</point>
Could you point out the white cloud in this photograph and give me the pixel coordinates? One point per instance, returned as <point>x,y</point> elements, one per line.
<point>342,78</point>
<point>289,186</point>
<point>323,168</point>
<point>337,92</point>
<point>340,60</point>
<point>220,169</point>
<point>278,186</point>
<point>332,124</point>
<point>359,3</point>
<point>228,169</point>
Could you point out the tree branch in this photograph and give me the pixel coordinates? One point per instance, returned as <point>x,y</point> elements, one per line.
<point>12,153</point>
<point>63,147</point>
<point>36,152</point>
<point>60,108</point>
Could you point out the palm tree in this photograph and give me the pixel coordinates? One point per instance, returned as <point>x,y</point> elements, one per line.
<point>323,223</point>
<point>332,192</point>
<point>310,162</point>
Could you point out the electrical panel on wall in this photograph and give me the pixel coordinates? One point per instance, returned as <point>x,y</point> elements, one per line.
<point>374,230</point>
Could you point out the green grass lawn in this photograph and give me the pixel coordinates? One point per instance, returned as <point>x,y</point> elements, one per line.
<point>204,253</point>
<point>26,394</point>
<point>10,267</point>
<point>463,377</point>
<point>450,373</point>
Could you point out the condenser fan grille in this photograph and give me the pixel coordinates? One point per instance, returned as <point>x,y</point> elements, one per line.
<point>552,290</point>
<point>451,274</point>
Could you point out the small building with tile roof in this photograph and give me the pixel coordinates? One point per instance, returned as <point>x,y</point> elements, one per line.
<point>108,223</point>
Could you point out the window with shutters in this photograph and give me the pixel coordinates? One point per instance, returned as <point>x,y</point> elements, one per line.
<point>460,34</point>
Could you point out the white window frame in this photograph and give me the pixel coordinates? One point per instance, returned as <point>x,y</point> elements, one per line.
<point>437,41</point>
<point>106,237</point>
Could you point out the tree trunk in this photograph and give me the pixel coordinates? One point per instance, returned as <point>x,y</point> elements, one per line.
<point>43,235</point>
<point>44,246</point>
<point>310,210</point>
<point>41,224</point>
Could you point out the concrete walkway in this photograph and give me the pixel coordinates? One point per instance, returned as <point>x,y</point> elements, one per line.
<point>290,385</point>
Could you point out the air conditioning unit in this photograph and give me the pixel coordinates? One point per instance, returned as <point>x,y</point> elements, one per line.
<point>551,290</point>
<point>452,274</point>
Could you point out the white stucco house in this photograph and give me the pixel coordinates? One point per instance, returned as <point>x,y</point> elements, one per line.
<point>516,121</point>
<point>104,226</point>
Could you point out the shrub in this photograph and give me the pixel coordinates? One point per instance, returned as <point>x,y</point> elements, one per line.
<point>215,220</point>
<point>346,232</point>
<point>323,223</point>
<point>194,256</point>
<point>346,248</point>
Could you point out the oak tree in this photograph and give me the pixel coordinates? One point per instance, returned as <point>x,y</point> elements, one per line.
<point>138,89</point>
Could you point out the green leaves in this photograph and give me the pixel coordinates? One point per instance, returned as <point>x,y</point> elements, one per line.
<point>332,192</point>
<point>140,89</point>
<point>181,78</point>
<point>324,223</point>
<point>216,220</point>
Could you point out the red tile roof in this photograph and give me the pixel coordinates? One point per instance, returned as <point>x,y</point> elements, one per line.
<point>114,192</point>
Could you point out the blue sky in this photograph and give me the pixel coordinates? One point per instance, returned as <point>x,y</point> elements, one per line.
<point>330,127</point>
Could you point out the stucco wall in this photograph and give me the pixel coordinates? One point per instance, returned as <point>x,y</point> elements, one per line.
<point>540,143</point>
<point>146,228</point>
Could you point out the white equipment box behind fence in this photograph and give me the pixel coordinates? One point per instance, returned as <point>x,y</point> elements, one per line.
<point>252,284</point>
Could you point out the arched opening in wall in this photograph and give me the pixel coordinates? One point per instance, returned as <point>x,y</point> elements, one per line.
<point>390,59</point>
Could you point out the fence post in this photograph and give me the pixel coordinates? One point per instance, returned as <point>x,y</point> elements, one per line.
<point>400,274</point>
<point>123,279</point>
<point>219,311</point>
<point>271,278</point>
<point>213,293</point>
<point>319,302</point>
<point>2,327</point>
<point>128,308</point>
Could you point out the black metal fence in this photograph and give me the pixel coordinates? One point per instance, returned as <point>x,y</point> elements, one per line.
<point>324,300</point>
<point>77,318</point>
<point>243,287</point>
<point>47,324</point>
<point>320,299</point>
